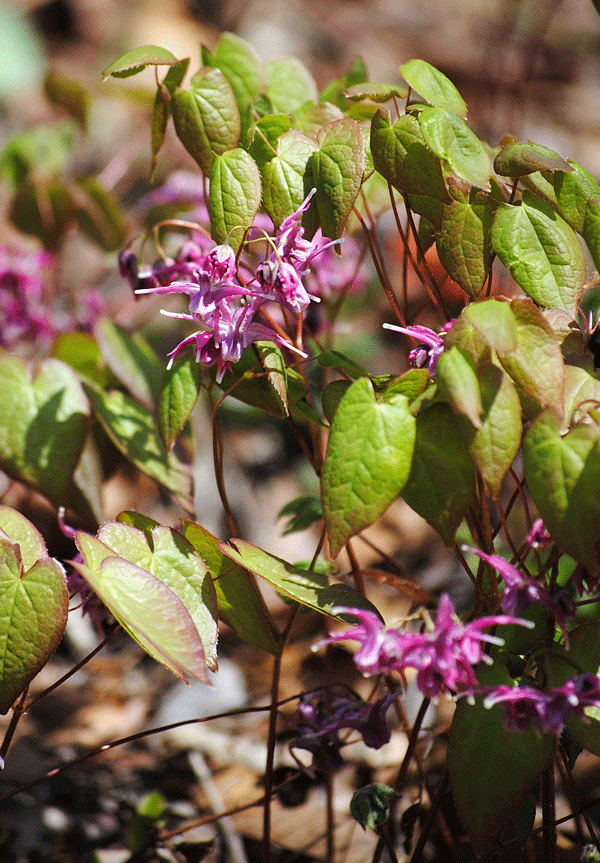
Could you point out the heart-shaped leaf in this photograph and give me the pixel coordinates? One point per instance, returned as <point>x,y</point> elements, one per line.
<point>283,175</point>
<point>235,195</point>
<point>541,251</point>
<point>33,615</point>
<point>434,86</point>
<point>21,532</point>
<point>206,117</point>
<point>367,461</point>
<point>517,160</point>
<point>338,167</point>
<point>147,608</point>
<point>289,84</point>
<point>451,140</point>
<point>563,476</point>
<point>491,770</point>
<point>43,424</point>
<point>441,483</point>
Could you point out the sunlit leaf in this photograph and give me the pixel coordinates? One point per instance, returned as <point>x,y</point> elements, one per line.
<point>137,59</point>
<point>434,86</point>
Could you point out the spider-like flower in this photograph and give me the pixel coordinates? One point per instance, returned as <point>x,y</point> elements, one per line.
<point>521,591</point>
<point>443,655</point>
<point>431,344</point>
<point>317,726</point>
<point>549,710</point>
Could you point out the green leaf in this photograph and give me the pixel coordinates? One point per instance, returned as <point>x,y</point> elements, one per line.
<point>433,85</point>
<point>313,589</point>
<point>133,431</point>
<point>452,141</point>
<point>304,511</point>
<point>234,197</point>
<point>43,425</point>
<point>338,167</point>
<point>132,361</point>
<point>458,385</point>
<point>311,118</point>
<point>494,445</point>
<point>33,615</point>
<point>332,396</point>
<point>370,806</point>
<point>170,557</point>
<point>367,461</point>
<point>337,360</point>
<point>582,394</point>
<point>334,90</point>
<point>162,107</point>
<point>402,157</point>
<point>463,241</point>
<point>238,62</point>
<point>517,160</point>
<point>82,352</point>
<point>563,477</point>
<point>289,84</point>
<point>179,393</point>
<point>20,531</point>
<point>206,117</point>
<point>275,370</point>
<point>491,770</point>
<point>541,251</point>
<point>375,92</point>
<point>283,175</point>
<point>582,656</point>
<point>536,362</point>
<point>134,61</point>
<point>253,388</point>
<point>146,608</point>
<point>578,197</point>
<point>266,133</point>
<point>441,482</point>
<point>240,602</point>
<point>494,321</point>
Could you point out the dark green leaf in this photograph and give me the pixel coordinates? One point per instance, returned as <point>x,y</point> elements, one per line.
<point>441,482</point>
<point>402,157</point>
<point>517,160</point>
<point>563,477</point>
<point>179,393</point>
<point>491,770</point>
<point>304,512</point>
<point>283,176</point>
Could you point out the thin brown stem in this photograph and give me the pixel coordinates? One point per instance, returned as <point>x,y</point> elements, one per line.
<point>431,815</point>
<point>549,833</point>
<point>18,711</point>
<point>380,267</point>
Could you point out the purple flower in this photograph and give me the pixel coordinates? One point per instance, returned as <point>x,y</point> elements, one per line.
<point>549,710</point>
<point>280,276</point>
<point>430,347</point>
<point>538,536</point>
<point>443,655</point>
<point>521,591</point>
<point>317,727</point>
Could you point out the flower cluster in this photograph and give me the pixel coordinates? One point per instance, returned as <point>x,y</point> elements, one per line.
<point>549,710</point>
<point>221,304</point>
<point>25,313</point>
<point>443,655</point>
<point>316,727</point>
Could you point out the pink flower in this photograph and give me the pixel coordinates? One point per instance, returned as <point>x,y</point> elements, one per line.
<point>549,710</point>
<point>430,347</point>
<point>521,591</point>
<point>443,656</point>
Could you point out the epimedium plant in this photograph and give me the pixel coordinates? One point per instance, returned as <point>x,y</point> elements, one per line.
<point>498,415</point>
